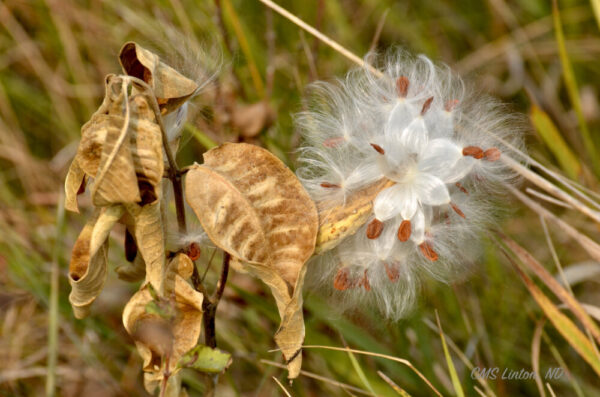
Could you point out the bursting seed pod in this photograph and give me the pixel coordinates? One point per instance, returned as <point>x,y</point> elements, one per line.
<point>438,146</point>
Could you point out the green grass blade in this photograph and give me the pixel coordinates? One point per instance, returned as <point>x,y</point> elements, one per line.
<point>453,375</point>
<point>245,46</point>
<point>361,374</point>
<point>596,8</point>
<point>201,137</point>
<point>555,142</point>
<point>572,90</point>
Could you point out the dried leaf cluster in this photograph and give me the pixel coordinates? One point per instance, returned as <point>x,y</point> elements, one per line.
<point>250,205</point>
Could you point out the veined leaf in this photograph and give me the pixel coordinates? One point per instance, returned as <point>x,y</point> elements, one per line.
<point>205,359</point>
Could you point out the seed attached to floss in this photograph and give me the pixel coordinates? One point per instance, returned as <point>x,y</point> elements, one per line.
<point>473,151</point>
<point>329,185</point>
<point>333,142</point>
<point>457,210</point>
<point>374,229</point>
<point>426,106</point>
<point>404,230</point>
<point>461,188</point>
<point>402,86</point>
<point>365,282</point>
<point>450,105</point>
<point>428,252</point>
<point>378,148</point>
<point>492,154</point>
<point>193,251</point>
<point>341,281</point>
<point>392,272</point>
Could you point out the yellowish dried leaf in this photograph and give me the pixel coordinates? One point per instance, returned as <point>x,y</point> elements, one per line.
<point>252,206</point>
<point>75,177</point>
<point>146,224</point>
<point>88,266</point>
<point>170,87</point>
<point>184,329</point>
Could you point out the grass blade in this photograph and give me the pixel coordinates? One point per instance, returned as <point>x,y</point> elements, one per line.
<point>245,46</point>
<point>555,142</point>
<point>572,90</point>
<point>596,8</point>
<point>453,375</point>
<point>561,322</point>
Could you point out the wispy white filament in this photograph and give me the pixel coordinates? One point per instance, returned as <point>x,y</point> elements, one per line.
<point>422,128</point>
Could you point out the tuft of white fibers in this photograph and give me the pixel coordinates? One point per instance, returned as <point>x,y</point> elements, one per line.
<point>419,126</point>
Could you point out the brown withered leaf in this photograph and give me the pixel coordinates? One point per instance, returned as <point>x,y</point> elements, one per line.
<point>150,331</point>
<point>145,223</point>
<point>75,177</point>
<point>252,206</point>
<point>88,266</point>
<point>170,87</point>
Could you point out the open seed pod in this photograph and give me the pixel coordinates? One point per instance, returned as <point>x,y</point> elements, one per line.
<point>253,207</point>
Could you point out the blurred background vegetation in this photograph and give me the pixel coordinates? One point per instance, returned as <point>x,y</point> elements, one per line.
<point>54,55</point>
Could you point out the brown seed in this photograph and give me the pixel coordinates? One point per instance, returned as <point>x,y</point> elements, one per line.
<point>473,151</point>
<point>365,282</point>
<point>457,210</point>
<point>402,86</point>
<point>392,272</point>
<point>374,229</point>
<point>81,189</point>
<point>193,251</point>
<point>426,105</point>
<point>428,252</point>
<point>341,281</point>
<point>450,105</point>
<point>492,154</point>
<point>378,148</point>
<point>329,185</point>
<point>404,230</point>
<point>333,142</point>
<point>461,188</point>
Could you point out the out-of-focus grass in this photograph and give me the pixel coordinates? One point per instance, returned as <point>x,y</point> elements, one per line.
<point>55,54</point>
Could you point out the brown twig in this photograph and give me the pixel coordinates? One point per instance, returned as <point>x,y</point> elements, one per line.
<point>209,305</point>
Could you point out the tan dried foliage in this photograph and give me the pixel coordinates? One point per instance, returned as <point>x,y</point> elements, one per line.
<point>252,206</point>
<point>170,87</point>
<point>88,266</point>
<point>155,337</point>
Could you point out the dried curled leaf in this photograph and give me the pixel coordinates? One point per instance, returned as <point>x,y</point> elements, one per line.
<point>155,335</point>
<point>146,224</point>
<point>253,207</point>
<point>88,266</point>
<point>73,182</point>
<point>170,87</point>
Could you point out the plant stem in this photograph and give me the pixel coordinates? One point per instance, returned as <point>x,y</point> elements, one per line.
<point>210,305</point>
<point>53,309</point>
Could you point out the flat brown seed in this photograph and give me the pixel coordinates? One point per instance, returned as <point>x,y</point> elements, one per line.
<point>457,210</point>
<point>378,148</point>
<point>402,86</point>
<point>193,251</point>
<point>329,185</point>
<point>365,282</point>
<point>404,230</point>
<point>426,105</point>
<point>428,252</point>
<point>492,154</point>
<point>473,151</point>
<point>450,105</point>
<point>374,229</point>
<point>461,188</point>
<point>341,281</point>
<point>333,142</point>
<point>392,272</point>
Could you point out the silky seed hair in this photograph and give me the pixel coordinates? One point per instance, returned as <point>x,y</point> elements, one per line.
<point>439,141</point>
